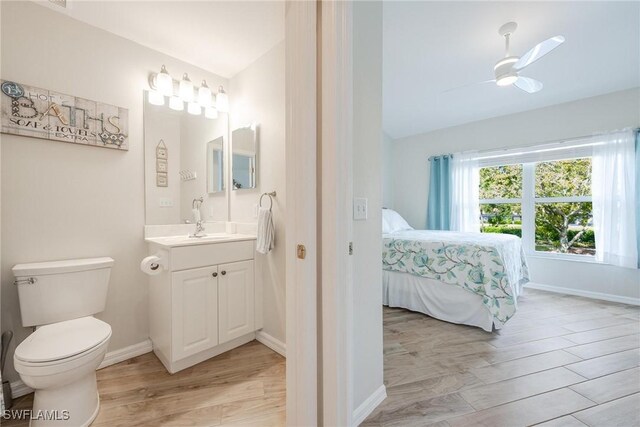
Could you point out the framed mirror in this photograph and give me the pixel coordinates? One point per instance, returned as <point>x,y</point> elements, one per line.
<point>215,166</point>
<point>244,157</point>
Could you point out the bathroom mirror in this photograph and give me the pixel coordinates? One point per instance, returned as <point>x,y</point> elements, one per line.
<point>215,166</point>
<point>184,160</point>
<point>244,157</point>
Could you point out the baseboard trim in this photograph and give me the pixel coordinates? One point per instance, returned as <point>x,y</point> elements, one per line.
<point>586,294</point>
<point>126,353</point>
<point>369,405</point>
<point>18,388</point>
<point>271,342</point>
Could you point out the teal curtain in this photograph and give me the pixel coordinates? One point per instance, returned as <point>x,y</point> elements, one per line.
<point>439,202</point>
<point>638,193</point>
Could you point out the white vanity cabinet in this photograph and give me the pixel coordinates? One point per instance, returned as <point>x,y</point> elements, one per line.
<point>204,302</point>
<point>236,295</point>
<point>194,311</point>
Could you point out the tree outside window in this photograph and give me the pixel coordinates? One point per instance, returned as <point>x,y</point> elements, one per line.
<point>559,196</point>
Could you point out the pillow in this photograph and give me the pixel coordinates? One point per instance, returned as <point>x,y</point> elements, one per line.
<point>392,222</point>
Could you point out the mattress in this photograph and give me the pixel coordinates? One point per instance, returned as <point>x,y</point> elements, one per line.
<point>491,266</point>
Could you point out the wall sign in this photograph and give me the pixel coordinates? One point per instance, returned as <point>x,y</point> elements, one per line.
<point>41,113</point>
<point>162,165</point>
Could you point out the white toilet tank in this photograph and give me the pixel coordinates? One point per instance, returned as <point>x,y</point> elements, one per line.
<point>55,291</point>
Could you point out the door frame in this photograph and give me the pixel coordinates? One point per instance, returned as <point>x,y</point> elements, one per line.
<point>336,188</point>
<point>301,274</point>
<point>319,177</point>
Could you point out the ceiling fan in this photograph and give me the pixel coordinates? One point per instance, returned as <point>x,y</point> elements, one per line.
<point>507,70</point>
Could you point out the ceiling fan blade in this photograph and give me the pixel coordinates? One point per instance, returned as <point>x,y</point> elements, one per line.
<point>469,84</point>
<point>528,85</point>
<point>538,51</point>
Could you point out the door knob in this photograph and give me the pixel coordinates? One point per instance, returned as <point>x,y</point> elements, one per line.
<point>215,274</point>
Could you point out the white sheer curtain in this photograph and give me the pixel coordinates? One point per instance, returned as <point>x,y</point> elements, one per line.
<point>613,190</point>
<point>465,192</point>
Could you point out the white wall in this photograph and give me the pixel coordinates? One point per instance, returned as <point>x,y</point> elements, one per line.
<point>367,235</point>
<point>584,117</point>
<point>63,200</point>
<point>387,171</point>
<point>257,95</point>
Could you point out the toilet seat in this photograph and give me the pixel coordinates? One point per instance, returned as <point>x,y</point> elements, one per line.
<point>63,341</point>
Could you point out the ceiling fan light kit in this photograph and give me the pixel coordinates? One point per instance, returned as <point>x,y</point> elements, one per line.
<point>504,73</point>
<point>507,69</point>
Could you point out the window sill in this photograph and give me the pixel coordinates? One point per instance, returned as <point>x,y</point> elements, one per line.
<point>563,257</point>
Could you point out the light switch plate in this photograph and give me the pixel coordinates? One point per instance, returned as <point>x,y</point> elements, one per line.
<point>165,202</point>
<point>360,210</point>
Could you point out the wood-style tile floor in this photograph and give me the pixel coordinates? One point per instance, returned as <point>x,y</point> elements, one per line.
<point>243,387</point>
<point>561,361</point>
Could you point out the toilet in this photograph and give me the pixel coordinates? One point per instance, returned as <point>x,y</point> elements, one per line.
<point>59,359</point>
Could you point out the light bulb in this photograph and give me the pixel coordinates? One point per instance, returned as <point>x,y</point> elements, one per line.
<point>186,88</point>
<point>222,100</point>
<point>194,108</point>
<point>155,98</point>
<point>176,103</point>
<point>507,80</point>
<point>164,82</point>
<point>211,113</point>
<point>204,95</point>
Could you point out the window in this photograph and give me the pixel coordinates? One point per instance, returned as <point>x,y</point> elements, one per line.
<point>547,203</point>
<point>501,199</point>
<point>563,208</point>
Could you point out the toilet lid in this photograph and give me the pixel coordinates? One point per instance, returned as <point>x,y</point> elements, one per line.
<point>62,340</point>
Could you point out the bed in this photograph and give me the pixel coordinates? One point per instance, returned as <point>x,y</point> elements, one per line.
<point>467,278</point>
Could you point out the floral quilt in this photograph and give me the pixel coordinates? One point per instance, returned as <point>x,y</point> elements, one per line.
<point>490,265</point>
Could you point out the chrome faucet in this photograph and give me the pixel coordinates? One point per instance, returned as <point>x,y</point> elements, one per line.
<point>196,204</point>
<point>199,230</point>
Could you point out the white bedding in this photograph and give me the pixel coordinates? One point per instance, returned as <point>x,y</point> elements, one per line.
<point>491,268</point>
<point>434,298</point>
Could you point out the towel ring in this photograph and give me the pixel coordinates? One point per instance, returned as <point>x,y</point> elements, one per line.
<point>270,200</point>
<point>271,196</point>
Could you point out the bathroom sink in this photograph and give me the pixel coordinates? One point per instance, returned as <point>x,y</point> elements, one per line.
<point>182,240</point>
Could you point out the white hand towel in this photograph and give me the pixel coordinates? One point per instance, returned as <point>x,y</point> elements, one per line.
<point>266,231</point>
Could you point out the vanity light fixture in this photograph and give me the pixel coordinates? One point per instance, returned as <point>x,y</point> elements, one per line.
<point>186,88</point>
<point>176,103</point>
<point>162,85</point>
<point>164,82</point>
<point>204,95</point>
<point>194,108</point>
<point>222,100</point>
<point>211,113</point>
<point>155,98</point>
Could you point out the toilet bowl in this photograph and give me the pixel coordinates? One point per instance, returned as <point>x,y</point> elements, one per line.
<point>59,359</point>
<point>59,362</point>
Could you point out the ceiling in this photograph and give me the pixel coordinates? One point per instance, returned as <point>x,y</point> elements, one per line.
<point>431,47</point>
<point>222,37</point>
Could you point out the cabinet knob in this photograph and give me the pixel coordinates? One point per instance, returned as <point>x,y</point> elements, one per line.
<point>215,274</point>
<point>224,272</point>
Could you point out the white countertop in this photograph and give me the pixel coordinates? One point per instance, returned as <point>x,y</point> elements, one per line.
<point>210,238</point>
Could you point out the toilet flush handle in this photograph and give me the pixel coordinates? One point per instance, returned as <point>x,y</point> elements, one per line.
<point>28,281</point>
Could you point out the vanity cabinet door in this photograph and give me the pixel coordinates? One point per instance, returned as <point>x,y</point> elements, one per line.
<point>194,311</point>
<point>236,299</point>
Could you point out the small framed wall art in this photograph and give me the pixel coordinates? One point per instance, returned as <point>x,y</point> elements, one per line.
<point>162,165</point>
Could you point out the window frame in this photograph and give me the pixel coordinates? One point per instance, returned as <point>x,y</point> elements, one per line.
<point>528,202</point>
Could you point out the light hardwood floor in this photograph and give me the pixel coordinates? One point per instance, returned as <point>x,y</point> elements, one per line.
<point>561,361</point>
<point>245,386</point>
